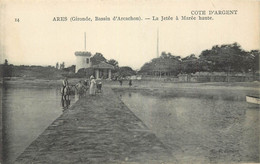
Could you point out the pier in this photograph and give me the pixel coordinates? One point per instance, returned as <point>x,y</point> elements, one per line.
<point>97,129</point>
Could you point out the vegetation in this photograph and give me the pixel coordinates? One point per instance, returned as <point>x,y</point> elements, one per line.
<point>225,58</point>
<point>190,64</point>
<point>70,69</point>
<point>85,72</point>
<point>166,64</point>
<point>7,69</point>
<point>57,72</point>
<point>97,58</point>
<point>124,71</point>
<point>32,71</point>
<point>113,62</point>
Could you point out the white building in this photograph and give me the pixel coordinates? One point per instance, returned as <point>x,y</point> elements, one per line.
<point>82,60</point>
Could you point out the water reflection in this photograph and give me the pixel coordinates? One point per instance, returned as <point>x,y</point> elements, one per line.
<point>27,112</point>
<point>65,103</point>
<point>200,130</point>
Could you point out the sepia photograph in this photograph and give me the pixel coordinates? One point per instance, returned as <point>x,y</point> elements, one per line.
<point>138,82</point>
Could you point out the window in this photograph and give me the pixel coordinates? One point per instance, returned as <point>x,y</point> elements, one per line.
<point>87,60</point>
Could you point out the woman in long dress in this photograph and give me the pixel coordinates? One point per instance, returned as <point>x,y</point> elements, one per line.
<point>92,89</point>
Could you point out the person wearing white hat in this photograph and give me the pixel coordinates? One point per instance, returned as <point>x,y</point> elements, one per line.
<point>92,88</point>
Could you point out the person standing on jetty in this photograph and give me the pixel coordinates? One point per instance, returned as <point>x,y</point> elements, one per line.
<point>80,88</point>
<point>130,83</point>
<point>92,89</point>
<point>120,81</point>
<point>86,83</point>
<point>65,83</point>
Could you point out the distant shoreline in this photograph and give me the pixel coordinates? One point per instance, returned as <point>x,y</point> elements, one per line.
<point>212,90</point>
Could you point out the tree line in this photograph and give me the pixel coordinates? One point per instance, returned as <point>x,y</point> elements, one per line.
<point>10,70</point>
<point>220,58</point>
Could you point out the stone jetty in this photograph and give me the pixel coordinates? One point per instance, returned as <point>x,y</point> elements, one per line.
<point>97,129</point>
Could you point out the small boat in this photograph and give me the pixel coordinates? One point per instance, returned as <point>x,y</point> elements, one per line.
<point>253,99</point>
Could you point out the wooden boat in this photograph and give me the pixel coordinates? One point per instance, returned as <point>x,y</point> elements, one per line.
<point>253,99</point>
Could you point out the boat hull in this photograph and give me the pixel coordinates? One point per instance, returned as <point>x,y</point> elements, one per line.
<point>254,100</point>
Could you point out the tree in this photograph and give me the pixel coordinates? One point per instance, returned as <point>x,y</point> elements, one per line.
<point>97,58</point>
<point>7,69</point>
<point>57,65</point>
<point>70,69</point>
<point>146,68</point>
<point>126,71</point>
<point>227,58</point>
<point>62,65</point>
<point>168,55</point>
<point>253,60</point>
<point>256,54</point>
<point>166,64</point>
<point>6,62</point>
<point>190,64</point>
<point>85,72</point>
<point>113,62</point>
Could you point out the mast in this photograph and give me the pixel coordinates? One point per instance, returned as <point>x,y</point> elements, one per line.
<point>85,41</point>
<point>157,42</point>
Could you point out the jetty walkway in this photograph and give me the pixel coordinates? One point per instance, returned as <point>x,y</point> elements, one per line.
<point>97,129</point>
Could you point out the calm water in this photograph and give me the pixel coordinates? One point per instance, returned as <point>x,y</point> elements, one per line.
<point>201,130</point>
<point>27,112</point>
<point>197,130</point>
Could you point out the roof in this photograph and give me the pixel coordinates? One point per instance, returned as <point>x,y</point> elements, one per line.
<point>82,53</point>
<point>103,65</point>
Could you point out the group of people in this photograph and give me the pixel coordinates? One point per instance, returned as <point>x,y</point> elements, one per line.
<point>121,82</point>
<point>93,86</point>
<point>83,86</point>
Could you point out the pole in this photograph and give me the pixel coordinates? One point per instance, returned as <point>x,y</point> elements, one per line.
<point>157,42</point>
<point>85,41</point>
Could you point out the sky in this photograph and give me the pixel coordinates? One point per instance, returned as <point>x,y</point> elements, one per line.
<point>38,40</point>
